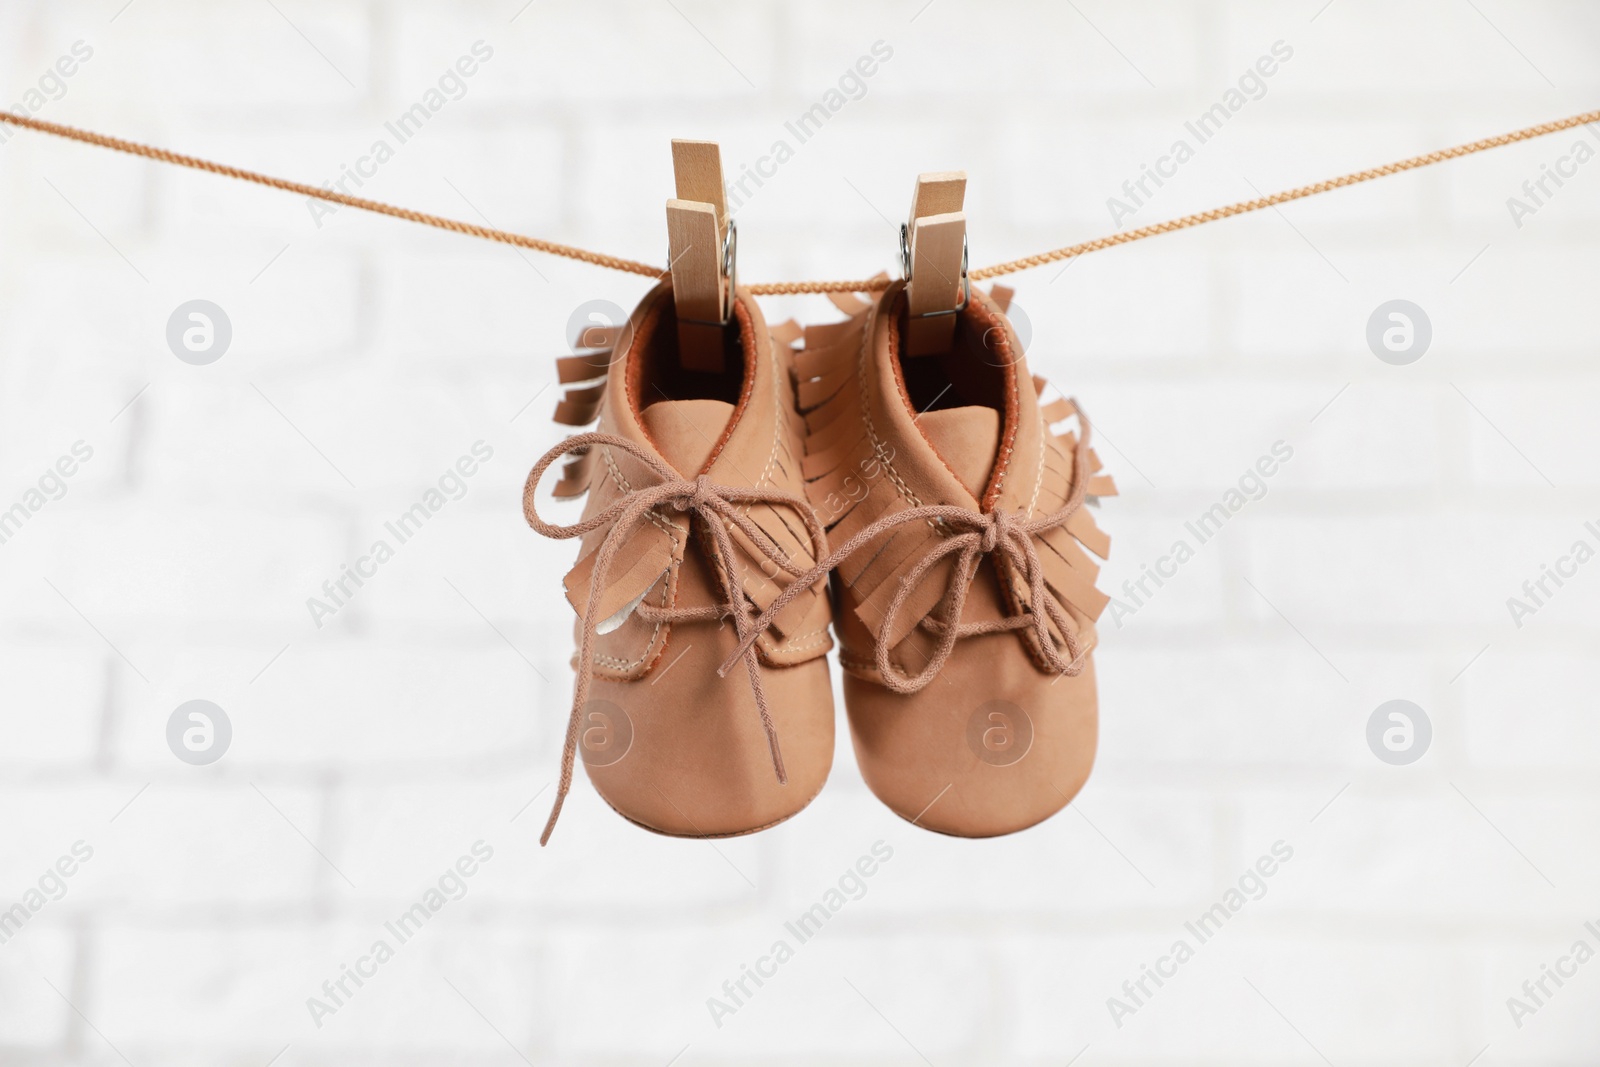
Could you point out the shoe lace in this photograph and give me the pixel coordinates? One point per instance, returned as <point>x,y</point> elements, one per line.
<point>716,506</point>
<point>972,536</point>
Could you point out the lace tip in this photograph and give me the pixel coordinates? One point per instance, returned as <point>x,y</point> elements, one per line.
<point>550,823</point>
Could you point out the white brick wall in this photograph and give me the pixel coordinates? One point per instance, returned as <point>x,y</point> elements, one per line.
<point>372,752</point>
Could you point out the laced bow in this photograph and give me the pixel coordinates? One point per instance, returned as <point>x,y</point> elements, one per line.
<point>716,507</point>
<point>974,535</point>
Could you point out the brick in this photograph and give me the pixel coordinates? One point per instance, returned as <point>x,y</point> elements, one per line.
<point>1374,435</point>
<point>403,837</point>
<point>564,55</point>
<point>1203,435</point>
<point>224,439</point>
<point>410,1003</point>
<point>43,821</point>
<point>488,295</point>
<point>1537,283</point>
<point>1358,999</point>
<point>1404,570</point>
<point>880,1015</point>
<point>407,1004</point>
<point>57,697</point>
<point>1196,595</point>
<point>142,563</point>
<point>1429,48</point>
<point>1097,306</point>
<point>72,197</point>
<point>493,560</point>
<point>33,1018</point>
<point>148,58</point>
<point>331,702</point>
<point>1528,714</point>
<point>1207,1010</point>
<point>1406,849</point>
<point>63,325</point>
<point>1164,838</point>
<point>1018,39</point>
<point>1562,1015</point>
<point>1250,705</point>
<point>1524,432</point>
<point>665,1001</point>
<point>188,846</point>
<point>238,988</point>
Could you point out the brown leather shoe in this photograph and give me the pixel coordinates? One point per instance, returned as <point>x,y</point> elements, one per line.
<point>965,603</point>
<point>695,520</point>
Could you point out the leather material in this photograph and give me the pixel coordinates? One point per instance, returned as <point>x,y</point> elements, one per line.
<point>966,438</point>
<point>667,742</point>
<point>919,753</point>
<point>684,431</point>
<point>995,742</point>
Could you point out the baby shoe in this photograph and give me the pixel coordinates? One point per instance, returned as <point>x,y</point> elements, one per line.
<point>964,601</point>
<point>695,520</point>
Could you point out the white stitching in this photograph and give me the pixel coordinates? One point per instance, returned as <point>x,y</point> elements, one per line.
<point>627,487</point>
<point>866,414</point>
<point>790,646</point>
<point>1038,480</point>
<point>671,531</point>
<point>622,664</point>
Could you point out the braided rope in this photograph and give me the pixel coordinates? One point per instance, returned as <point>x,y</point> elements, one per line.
<point>1246,206</point>
<point>793,288</point>
<point>133,148</point>
<point>600,259</point>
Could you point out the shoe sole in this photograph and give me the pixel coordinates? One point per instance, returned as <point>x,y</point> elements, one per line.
<point>711,837</point>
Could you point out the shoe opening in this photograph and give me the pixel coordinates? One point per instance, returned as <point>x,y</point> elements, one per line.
<point>964,396</point>
<point>687,413</point>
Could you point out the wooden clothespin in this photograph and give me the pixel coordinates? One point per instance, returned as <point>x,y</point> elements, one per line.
<point>933,257</point>
<point>700,242</point>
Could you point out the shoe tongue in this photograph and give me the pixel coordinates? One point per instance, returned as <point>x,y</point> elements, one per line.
<point>685,431</point>
<point>967,439</point>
